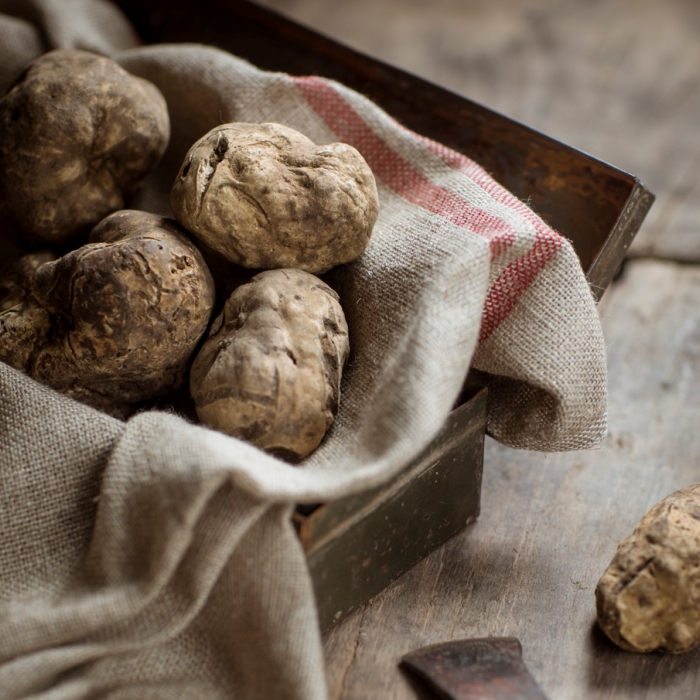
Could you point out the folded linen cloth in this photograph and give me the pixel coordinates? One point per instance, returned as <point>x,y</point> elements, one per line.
<point>155,558</point>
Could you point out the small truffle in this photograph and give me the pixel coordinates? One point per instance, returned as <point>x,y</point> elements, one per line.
<point>265,196</point>
<point>648,599</point>
<point>270,370</point>
<point>116,321</point>
<point>77,135</point>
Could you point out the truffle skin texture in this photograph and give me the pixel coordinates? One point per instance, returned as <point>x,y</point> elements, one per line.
<point>648,599</point>
<point>270,371</point>
<point>116,321</point>
<point>266,197</point>
<point>16,280</point>
<point>77,135</point>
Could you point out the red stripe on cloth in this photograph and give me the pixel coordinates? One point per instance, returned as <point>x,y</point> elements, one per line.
<point>514,281</point>
<point>394,170</point>
<point>475,172</point>
<point>399,175</point>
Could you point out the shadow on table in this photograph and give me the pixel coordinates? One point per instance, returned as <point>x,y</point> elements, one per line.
<point>612,667</point>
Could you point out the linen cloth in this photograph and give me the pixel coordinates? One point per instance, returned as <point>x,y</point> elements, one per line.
<point>155,559</point>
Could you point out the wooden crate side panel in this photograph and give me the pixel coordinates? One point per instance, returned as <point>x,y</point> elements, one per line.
<point>376,549</point>
<point>464,424</point>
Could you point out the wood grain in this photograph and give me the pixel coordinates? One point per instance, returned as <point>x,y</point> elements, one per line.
<point>622,81</point>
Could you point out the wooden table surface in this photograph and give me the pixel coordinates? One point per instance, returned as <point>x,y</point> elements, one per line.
<point>621,80</point>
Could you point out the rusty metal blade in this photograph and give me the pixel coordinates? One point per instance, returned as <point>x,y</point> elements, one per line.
<point>475,669</point>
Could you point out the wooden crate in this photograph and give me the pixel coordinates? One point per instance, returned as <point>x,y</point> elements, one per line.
<point>358,545</point>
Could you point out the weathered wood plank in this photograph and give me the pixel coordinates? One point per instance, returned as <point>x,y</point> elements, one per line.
<point>620,80</point>
<point>550,525</point>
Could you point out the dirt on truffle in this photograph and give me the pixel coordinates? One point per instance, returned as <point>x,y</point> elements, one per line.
<point>16,280</point>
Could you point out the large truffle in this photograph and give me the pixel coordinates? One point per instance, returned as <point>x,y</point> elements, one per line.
<point>77,135</point>
<point>270,370</point>
<point>648,599</point>
<point>114,322</point>
<point>265,196</point>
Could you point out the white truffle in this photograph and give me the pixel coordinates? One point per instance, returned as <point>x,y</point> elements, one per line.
<point>648,599</point>
<point>270,370</point>
<point>116,321</point>
<point>77,135</point>
<point>265,196</point>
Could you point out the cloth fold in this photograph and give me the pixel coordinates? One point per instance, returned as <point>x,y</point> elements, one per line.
<point>155,558</point>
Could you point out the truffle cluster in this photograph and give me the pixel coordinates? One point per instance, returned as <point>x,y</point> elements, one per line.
<point>117,319</point>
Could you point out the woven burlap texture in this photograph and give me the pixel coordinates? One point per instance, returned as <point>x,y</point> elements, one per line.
<point>155,559</point>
